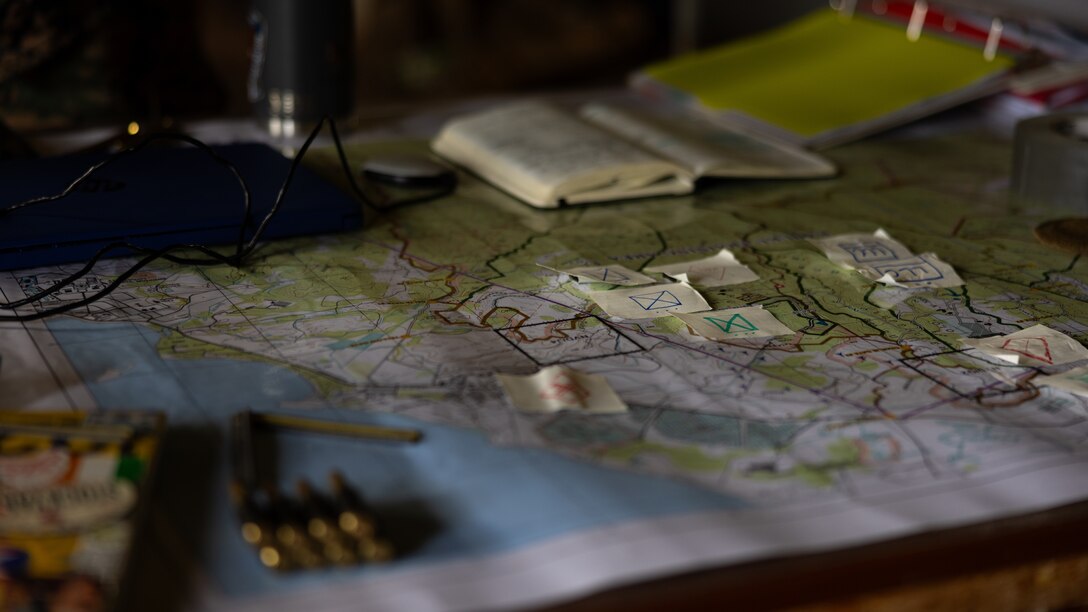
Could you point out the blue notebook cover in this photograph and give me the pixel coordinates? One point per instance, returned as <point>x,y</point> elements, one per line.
<point>156,197</point>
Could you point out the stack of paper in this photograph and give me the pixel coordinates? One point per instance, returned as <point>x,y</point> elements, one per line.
<point>824,80</point>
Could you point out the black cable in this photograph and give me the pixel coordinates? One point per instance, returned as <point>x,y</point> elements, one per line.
<point>121,278</point>
<point>242,249</point>
<point>72,278</point>
<point>346,167</point>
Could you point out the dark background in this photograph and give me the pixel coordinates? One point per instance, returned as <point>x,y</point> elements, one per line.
<point>67,64</point>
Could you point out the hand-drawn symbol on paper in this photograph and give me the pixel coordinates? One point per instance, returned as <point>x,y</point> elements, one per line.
<point>609,275</point>
<point>736,321</point>
<point>657,300</point>
<point>915,270</point>
<point>1035,348</point>
<point>868,251</point>
<point>565,389</point>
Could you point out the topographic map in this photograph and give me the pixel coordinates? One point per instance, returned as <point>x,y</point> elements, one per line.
<point>870,410</point>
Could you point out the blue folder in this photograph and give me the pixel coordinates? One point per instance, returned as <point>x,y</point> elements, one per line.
<point>156,197</point>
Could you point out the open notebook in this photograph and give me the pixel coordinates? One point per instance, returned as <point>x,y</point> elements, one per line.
<point>549,157</point>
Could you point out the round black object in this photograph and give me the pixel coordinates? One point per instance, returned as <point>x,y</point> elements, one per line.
<point>408,171</point>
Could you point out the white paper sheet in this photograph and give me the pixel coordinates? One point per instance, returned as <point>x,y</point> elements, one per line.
<point>716,271</point>
<point>882,259</point>
<point>1037,345</point>
<point>925,270</point>
<point>735,323</point>
<point>649,302</point>
<point>558,388</point>
<point>613,273</point>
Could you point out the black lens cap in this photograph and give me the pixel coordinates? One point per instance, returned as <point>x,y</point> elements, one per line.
<point>408,170</point>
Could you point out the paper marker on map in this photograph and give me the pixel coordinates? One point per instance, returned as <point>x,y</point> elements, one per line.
<point>925,270</point>
<point>1073,381</point>
<point>735,323</point>
<point>649,302</point>
<point>861,250</point>
<point>882,259</point>
<point>558,388</point>
<point>613,273</point>
<point>715,271</point>
<point>1035,346</point>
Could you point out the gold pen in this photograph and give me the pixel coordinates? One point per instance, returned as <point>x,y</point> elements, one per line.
<point>373,432</point>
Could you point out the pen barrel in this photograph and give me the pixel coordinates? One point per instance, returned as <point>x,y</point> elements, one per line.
<point>369,432</point>
<point>242,450</point>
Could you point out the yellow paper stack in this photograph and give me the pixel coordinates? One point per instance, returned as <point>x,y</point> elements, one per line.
<point>824,79</point>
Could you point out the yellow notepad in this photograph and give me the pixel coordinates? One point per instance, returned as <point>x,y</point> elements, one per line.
<point>823,79</point>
